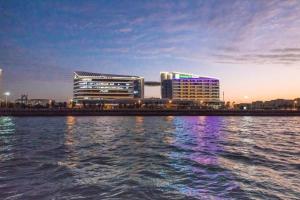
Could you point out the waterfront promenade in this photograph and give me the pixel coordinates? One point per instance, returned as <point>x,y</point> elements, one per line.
<point>145,112</point>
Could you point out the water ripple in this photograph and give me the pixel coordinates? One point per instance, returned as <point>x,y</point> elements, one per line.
<point>150,158</point>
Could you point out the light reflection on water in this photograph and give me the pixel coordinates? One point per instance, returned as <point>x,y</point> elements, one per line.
<point>7,129</point>
<point>150,158</point>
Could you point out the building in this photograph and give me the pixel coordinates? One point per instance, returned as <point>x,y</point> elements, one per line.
<point>276,104</point>
<point>24,101</point>
<point>183,86</point>
<point>297,103</point>
<point>257,105</point>
<point>1,84</point>
<point>243,106</point>
<point>279,104</point>
<point>93,87</point>
<point>39,102</point>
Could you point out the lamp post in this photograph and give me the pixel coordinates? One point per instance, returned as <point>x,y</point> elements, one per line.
<point>201,104</point>
<point>6,94</point>
<point>71,102</point>
<point>295,105</point>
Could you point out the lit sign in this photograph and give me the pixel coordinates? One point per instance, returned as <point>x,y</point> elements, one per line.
<point>177,76</point>
<point>185,76</point>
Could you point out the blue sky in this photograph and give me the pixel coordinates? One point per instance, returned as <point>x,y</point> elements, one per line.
<point>252,46</point>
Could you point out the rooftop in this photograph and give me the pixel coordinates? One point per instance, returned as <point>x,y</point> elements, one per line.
<point>182,75</point>
<point>82,73</point>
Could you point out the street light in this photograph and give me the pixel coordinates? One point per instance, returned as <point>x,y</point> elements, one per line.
<point>6,94</point>
<point>295,105</point>
<point>201,104</point>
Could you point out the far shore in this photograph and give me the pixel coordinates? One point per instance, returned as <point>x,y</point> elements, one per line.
<point>144,112</point>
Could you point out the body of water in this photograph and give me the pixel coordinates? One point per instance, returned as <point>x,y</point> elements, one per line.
<point>150,158</point>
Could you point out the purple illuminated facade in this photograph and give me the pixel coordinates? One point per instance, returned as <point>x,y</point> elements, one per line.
<point>182,86</point>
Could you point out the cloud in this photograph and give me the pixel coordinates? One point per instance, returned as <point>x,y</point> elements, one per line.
<point>248,30</point>
<point>114,50</point>
<point>235,32</point>
<point>24,64</point>
<point>287,50</point>
<point>125,30</point>
<point>281,57</point>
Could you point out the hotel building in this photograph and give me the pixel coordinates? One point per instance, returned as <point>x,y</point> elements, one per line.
<point>92,87</point>
<point>183,86</point>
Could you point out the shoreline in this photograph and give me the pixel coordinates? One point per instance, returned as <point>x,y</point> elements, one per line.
<point>143,112</point>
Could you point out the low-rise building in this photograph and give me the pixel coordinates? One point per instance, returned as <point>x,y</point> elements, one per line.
<point>276,104</point>
<point>24,101</point>
<point>257,105</point>
<point>279,104</point>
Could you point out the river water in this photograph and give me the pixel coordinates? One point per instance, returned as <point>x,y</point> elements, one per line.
<point>150,158</point>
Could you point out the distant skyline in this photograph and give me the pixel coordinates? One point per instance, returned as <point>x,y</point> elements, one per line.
<point>253,46</point>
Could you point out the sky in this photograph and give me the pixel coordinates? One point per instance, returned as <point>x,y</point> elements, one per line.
<point>252,46</point>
